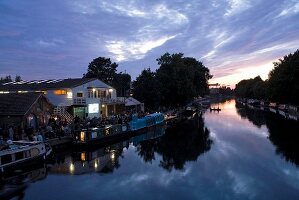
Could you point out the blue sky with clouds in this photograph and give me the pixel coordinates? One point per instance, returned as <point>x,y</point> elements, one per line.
<point>235,39</point>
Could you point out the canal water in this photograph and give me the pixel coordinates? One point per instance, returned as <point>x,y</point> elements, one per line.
<point>236,153</point>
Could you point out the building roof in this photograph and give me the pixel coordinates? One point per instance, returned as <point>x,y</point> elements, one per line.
<point>132,102</point>
<point>45,84</point>
<point>17,103</point>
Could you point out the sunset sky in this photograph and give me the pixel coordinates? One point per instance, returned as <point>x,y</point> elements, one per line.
<point>235,39</point>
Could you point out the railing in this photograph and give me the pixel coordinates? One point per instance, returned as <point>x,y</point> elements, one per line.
<point>105,100</point>
<point>79,101</point>
<point>112,101</point>
<point>61,111</point>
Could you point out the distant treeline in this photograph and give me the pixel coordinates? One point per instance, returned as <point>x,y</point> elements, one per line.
<point>281,86</point>
<point>8,78</point>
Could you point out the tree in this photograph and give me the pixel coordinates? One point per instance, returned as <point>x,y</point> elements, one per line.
<point>251,88</point>
<point>284,80</point>
<point>5,79</point>
<point>122,84</point>
<point>146,89</point>
<point>181,79</point>
<point>18,78</point>
<point>103,69</point>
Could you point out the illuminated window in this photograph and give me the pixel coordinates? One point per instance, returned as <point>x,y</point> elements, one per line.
<point>93,108</point>
<point>60,92</point>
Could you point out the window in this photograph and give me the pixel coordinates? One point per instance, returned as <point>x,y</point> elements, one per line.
<point>102,93</point>
<point>79,94</point>
<point>60,92</point>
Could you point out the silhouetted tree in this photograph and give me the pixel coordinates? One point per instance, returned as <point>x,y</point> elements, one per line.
<point>284,80</point>
<point>146,89</point>
<point>122,84</point>
<point>103,69</point>
<point>181,79</point>
<point>5,79</point>
<point>251,88</point>
<point>18,78</point>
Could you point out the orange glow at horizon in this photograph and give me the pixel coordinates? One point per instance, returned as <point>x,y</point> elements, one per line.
<point>231,80</point>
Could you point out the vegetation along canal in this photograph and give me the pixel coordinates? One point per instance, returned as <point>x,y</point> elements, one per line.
<point>236,153</point>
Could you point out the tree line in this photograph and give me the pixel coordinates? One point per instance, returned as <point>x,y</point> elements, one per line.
<point>281,86</point>
<point>8,78</point>
<point>176,82</point>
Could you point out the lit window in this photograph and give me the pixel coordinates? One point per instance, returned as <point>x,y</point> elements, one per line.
<point>60,92</point>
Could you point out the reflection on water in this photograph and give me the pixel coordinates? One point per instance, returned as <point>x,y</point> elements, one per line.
<point>236,153</point>
<point>13,185</point>
<point>181,143</point>
<point>283,133</point>
<point>99,160</point>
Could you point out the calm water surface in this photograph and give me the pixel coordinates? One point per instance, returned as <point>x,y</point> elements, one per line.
<point>234,154</point>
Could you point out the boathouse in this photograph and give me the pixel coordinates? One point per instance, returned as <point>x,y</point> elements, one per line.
<point>24,109</point>
<point>82,97</point>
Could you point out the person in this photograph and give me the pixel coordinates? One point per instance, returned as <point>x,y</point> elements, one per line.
<point>34,137</point>
<point>2,142</point>
<point>10,133</point>
<point>39,137</point>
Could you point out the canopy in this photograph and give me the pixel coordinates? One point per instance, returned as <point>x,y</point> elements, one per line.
<point>132,102</point>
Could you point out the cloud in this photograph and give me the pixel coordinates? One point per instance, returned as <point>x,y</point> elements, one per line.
<point>155,12</point>
<point>291,9</point>
<point>237,6</point>
<point>130,50</point>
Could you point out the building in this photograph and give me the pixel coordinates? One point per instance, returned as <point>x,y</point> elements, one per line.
<point>82,97</point>
<point>24,109</point>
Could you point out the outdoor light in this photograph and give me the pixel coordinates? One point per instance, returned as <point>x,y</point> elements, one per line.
<point>69,95</point>
<point>93,89</point>
<point>103,106</point>
<point>112,155</point>
<point>82,136</point>
<point>72,167</point>
<point>110,90</point>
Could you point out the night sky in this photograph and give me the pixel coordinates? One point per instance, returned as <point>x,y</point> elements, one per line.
<point>235,39</point>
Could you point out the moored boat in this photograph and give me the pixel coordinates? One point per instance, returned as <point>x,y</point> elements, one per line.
<point>94,136</point>
<point>18,153</point>
<point>147,121</point>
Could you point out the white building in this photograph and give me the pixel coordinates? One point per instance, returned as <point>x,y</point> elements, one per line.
<point>83,97</point>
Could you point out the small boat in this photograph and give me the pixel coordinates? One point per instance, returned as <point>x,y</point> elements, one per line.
<point>18,153</point>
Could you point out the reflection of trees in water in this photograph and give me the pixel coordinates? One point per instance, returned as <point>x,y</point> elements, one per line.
<point>283,133</point>
<point>257,117</point>
<point>181,143</point>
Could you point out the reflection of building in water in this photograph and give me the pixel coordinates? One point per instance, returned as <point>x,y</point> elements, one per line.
<point>102,160</point>
<point>15,184</point>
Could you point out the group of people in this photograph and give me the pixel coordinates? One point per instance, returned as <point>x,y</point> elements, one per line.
<point>54,128</point>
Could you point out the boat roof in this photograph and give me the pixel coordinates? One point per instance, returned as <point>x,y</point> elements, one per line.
<point>154,114</point>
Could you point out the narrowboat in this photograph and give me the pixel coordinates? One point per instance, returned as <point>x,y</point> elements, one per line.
<point>18,153</point>
<point>99,135</point>
<point>94,136</point>
<point>147,121</point>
